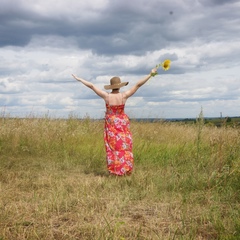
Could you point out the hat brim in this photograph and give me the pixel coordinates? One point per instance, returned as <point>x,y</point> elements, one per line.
<point>115,86</point>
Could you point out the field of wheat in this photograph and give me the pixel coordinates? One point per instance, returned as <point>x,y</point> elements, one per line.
<point>54,183</point>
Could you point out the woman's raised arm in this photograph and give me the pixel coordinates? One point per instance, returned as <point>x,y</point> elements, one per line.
<point>90,85</point>
<point>141,82</point>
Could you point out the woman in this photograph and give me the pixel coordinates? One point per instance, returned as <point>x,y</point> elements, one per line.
<point>117,135</point>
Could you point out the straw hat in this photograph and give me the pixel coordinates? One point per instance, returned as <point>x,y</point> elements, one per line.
<point>115,83</point>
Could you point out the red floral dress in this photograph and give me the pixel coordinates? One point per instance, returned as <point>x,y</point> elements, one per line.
<point>118,141</point>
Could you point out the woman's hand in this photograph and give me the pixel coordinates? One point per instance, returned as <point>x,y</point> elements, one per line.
<point>78,79</point>
<point>153,72</point>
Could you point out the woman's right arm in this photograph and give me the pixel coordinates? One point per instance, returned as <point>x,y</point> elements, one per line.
<point>141,82</point>
<point>90,85</point>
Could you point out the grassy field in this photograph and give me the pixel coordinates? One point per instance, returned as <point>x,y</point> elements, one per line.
<point>54,184</point>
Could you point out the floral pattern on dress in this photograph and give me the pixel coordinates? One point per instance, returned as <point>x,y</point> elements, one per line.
<point>118,141</point>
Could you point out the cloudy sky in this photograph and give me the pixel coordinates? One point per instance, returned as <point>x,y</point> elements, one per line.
<point>42,42</point>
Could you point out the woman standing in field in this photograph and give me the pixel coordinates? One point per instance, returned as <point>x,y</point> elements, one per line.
<point>117,135</point>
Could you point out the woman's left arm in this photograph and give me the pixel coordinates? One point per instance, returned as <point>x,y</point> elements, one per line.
<point>141,82</point>
<point>90,85</point>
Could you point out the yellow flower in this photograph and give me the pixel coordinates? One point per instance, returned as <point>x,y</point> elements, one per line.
<point>165,65</point>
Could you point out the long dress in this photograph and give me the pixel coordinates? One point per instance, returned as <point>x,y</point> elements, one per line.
<point>118,141</point>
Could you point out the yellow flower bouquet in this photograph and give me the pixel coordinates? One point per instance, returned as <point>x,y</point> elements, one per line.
<point>165,65</point>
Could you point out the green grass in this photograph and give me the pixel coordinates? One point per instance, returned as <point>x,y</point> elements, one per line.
<point>54,183</point>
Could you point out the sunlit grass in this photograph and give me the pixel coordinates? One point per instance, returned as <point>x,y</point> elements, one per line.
<point>54,183</point>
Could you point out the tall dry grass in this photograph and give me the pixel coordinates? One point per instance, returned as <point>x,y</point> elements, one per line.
<point>54,185</point>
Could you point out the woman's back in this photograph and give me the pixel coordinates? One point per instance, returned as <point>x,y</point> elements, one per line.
<point>115,99</point>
